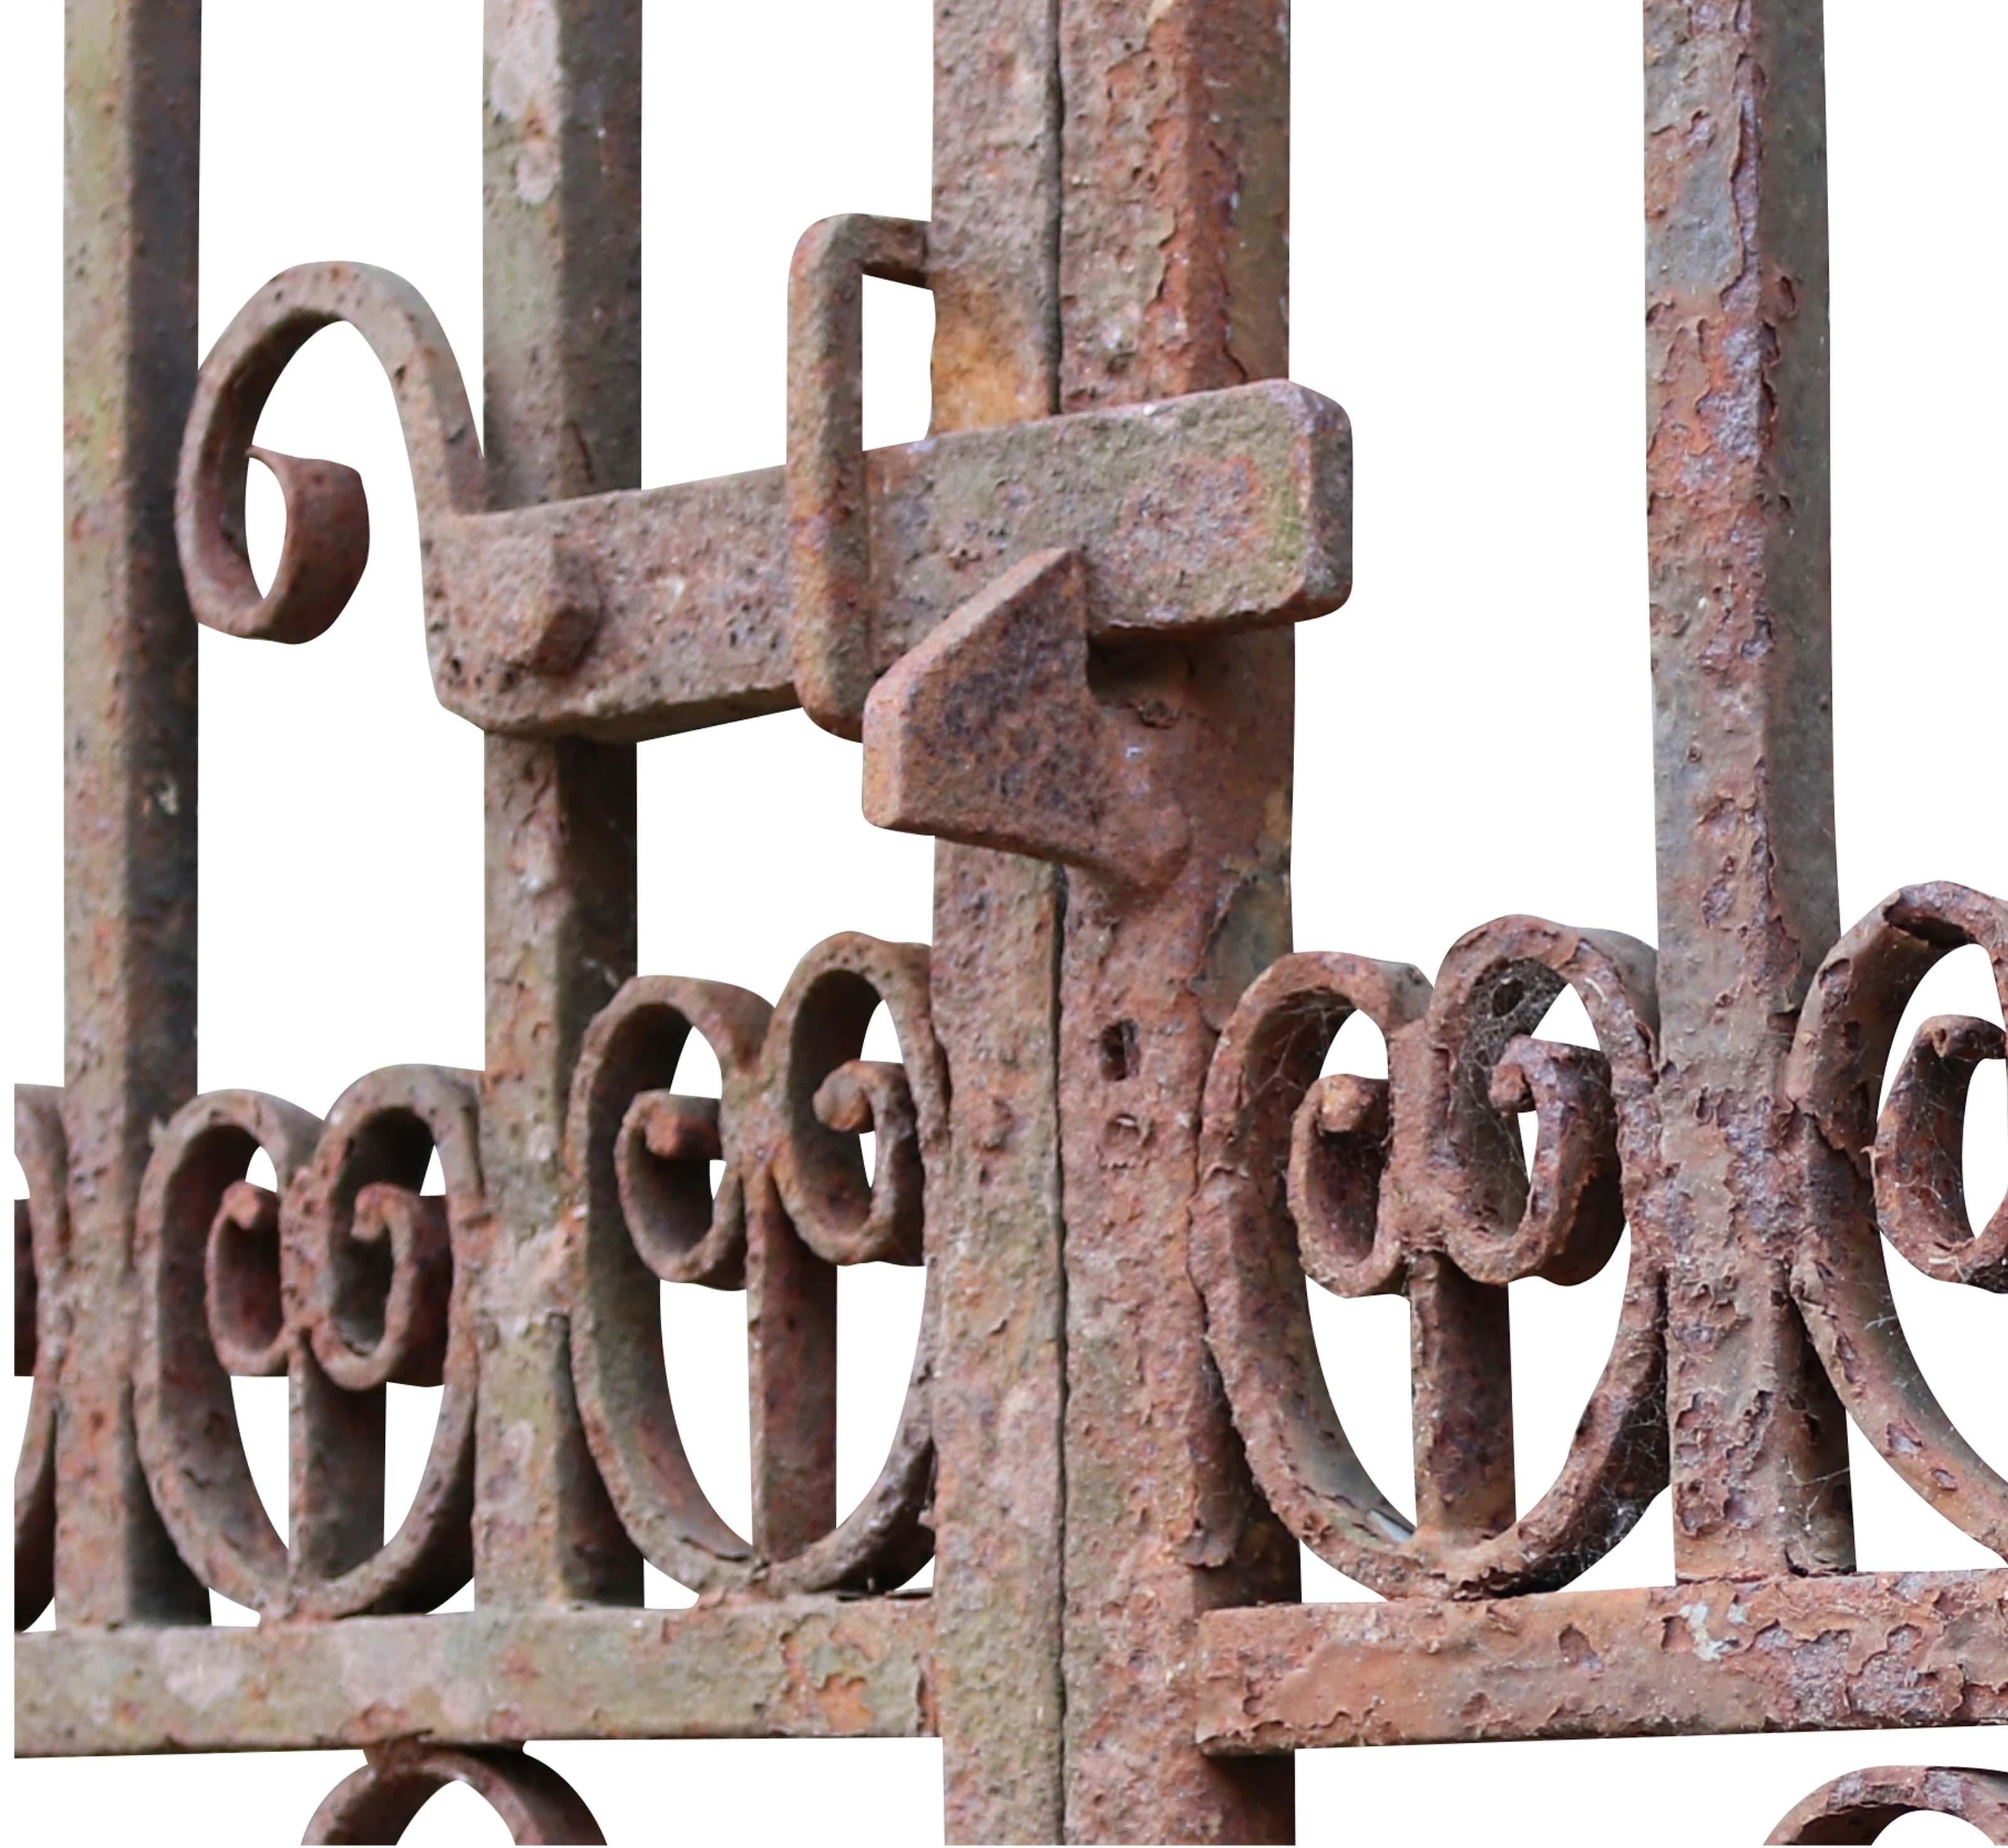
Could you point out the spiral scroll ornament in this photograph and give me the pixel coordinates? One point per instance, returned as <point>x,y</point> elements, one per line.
<point>345,1280</point>
<point>1897,1171</point>
<point>793,1202</point>
<point>326,541</point>
<point>1417,1184</point>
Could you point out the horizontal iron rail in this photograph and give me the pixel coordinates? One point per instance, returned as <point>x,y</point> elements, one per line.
<point>1774,1655</point>
<point>800,1668</point>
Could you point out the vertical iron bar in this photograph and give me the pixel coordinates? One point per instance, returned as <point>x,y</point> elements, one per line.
<point>1461,1403</point>
<point>562,286</point>
<point>334,1472</point>
<point>791,1374</point>
<point>999,1388</point>
<point>1173,269</point>
<point>1736,391</point>
<point>132,156</point>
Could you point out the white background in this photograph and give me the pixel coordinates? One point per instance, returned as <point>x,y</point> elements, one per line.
<point>1472,729</point>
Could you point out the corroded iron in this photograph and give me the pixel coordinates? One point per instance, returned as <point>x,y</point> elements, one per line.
<point>1059,626</point>
<point>378,1803</point>
<point>1859,1806</point>
<point>345,1280</point>
<point>748,1668</point>
<point>1417,1184</point>
<point>1721,1656</point>
<point>792,1203</point>
<point>630,615</point>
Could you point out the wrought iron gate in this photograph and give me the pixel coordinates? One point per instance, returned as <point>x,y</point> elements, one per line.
<point>1060,628</point>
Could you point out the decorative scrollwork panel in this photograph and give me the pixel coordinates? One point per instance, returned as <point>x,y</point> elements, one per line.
<point>1058,626</point>
<point>792,1203</point>
<point>346,1279</point>
<point>1896,1172</point>
<point>1417,1184</point>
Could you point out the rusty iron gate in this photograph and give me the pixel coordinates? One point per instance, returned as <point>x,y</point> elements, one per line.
<point>1060,627</point>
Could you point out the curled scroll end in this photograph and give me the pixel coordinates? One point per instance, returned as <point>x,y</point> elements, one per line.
<point>325,548</point>
<point>662,1158</point>
<point>321,560</point>
<point>1338,1154</point>
<point>402,1337</point>
<point>1574,1214</point>
<point>327,518</point>
<point>868,1096</point>
<point>1919,1159</point>
<point>241,1289</point>
<point>823,1094</point>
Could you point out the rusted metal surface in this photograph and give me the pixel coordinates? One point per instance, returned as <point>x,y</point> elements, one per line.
<point>378,1803</point>
<point>798,1668</point>
<point>792,1203</point>
<point>1737,1137</point>
<point>988,733</point>
<point>1736,329</point>
<point>1859,1806</point>
<point>561,346</point>
<point>1417,1184</point>
<point>1175,159</point>
<point>1780,1655</point>
<point>997,1252</point>
<point>41,1253</point>
<point>1059,626</point>
<point>345,1280</point>
<point>133,92</point>
<point>1898,1173</point>
<point>835,653</point>
<point>998,1408</point>
<point>666,610</point>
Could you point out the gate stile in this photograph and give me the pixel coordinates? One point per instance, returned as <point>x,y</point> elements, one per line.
<point>1060,628</point>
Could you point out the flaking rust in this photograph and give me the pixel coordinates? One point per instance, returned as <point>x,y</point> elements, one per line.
<point>1859,1806</point>
<point>1059,626</point>
<point>1916,1649</point>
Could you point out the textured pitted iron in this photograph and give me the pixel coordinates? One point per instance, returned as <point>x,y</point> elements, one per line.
<point>1059,626</point>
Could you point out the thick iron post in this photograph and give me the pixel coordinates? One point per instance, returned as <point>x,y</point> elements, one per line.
<point>1738,398</point>
<point>131,139</point>
<point>562,280</point>
<point>993,268</point>
<point>1173,268</point>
